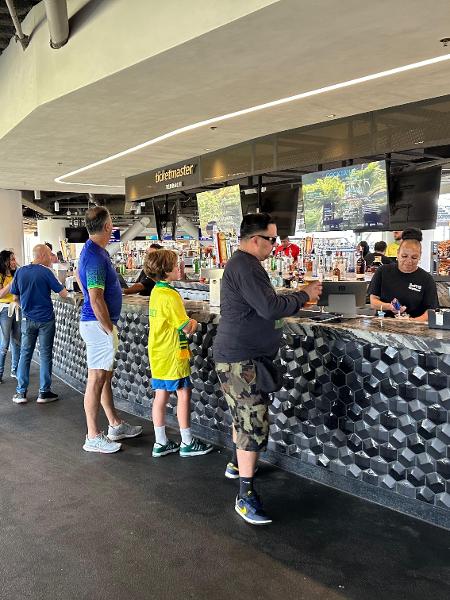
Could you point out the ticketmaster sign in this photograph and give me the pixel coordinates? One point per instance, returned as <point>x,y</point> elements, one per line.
<point>161,181</point>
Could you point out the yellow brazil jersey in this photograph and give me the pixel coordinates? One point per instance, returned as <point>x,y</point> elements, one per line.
<point>3,283</point>
<point>392,249</point>
<point>168,349</point>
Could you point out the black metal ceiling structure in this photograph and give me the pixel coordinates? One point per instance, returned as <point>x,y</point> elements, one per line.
<point>7,30</point>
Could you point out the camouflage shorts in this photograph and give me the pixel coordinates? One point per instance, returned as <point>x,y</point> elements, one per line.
<point>247,405</point>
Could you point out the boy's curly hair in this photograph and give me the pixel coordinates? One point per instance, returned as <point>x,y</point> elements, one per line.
<point>159,263</point>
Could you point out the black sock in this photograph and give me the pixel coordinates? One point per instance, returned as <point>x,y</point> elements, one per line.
<point>245,486</point>
<point>234,456</point>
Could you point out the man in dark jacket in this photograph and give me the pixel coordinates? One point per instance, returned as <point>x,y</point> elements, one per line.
<point>250,328</point>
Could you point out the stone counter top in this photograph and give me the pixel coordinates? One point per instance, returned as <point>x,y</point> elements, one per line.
<point>386,332</point>
<point>390,332</point>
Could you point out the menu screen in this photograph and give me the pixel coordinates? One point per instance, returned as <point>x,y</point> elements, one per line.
<point>354,197</point>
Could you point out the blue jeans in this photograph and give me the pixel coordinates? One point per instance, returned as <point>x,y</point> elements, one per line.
<point>10,337</point>
<point>31,330</point>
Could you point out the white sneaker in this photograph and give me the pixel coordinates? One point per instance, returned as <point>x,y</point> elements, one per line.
<point>101,444</point>
<point>124,430</point>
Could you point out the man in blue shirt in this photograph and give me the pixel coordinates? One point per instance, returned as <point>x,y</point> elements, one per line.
<point>32,285</point>
<point>98,328</point>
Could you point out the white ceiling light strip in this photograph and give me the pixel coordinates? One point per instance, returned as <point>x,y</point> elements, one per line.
<point>329,88</point>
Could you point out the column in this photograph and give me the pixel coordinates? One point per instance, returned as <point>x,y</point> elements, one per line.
<point>52,231</point>
<point>11,228</point>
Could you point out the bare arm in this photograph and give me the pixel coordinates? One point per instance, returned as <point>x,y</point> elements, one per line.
<point>423,317</point>
<point>133,289</point>
<point>100,309</point>
<point>191,327</point>
<point>4,291</point>
<point>63,293</point>
<point>377,304</point>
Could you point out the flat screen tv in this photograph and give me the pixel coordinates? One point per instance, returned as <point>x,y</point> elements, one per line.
<point>76,235</point>
<point>281,204</point>
<point>165,219</point>
<point>413,199</point>
<point>220,208</point>
<point>354,197</point>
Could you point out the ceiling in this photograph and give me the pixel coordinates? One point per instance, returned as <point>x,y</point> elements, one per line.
<point>7,30</point>
<point>281,50</point>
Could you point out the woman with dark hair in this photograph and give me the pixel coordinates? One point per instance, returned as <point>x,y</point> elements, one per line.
<point>9,313</point>
<point>363,247</point>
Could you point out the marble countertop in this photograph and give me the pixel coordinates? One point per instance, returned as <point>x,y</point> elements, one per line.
<point>386,332</point>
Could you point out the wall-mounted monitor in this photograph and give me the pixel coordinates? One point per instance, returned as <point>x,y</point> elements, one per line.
<point>413,199</point>
<point>281,204</point>
<point>165,219</point>
<point>354,197</point>
<point>221,208</point>
<point>76,235</point>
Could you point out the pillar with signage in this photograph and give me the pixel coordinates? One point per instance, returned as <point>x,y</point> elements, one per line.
<point>12,223</point>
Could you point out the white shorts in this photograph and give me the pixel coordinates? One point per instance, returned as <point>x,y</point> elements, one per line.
<point>101,347</point>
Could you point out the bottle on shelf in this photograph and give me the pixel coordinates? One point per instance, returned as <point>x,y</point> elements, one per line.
<point>360,267</point>
<point>336,273</point>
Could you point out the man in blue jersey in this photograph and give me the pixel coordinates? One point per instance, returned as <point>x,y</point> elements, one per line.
<point>33,285</point>
<point>98,328</point>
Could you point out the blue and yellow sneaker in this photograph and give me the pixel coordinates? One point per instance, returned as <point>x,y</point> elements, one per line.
<point>232,471</point>
<point>251,510</point>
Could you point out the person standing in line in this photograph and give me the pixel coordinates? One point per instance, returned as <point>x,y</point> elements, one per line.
<point>247,341</point>
<point>102,302</point>
<point>169,356</point>
<point>144,284</point>
<point>9,314</point>
<point>33,285</point>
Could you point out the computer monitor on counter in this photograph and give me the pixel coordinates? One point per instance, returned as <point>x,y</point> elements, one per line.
<point>343,297</point>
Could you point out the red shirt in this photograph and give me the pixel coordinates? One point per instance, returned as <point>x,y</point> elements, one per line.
<point>290,250</point>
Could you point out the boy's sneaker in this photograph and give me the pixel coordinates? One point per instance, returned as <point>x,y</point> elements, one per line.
<point>45,397</point>
<point>251,510</point>
<point>20,398</point>
<point>124,430</point>
<point>101,444</point>
<point>163,449</point>
<point>232,471</point>
<point>195,448</point>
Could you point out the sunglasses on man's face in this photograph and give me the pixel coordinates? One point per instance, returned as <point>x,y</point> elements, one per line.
<point>270,239</point>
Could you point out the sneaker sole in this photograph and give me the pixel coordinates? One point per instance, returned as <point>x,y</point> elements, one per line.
<point>198,453</point>
<point>116,438</point>
<point>46,400</point>
<point>165,453</point>
<point>22,401</point>
<point>99,450</point>
<point>247,520</point>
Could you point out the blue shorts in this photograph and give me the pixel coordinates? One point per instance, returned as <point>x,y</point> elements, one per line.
<point>171,385</point>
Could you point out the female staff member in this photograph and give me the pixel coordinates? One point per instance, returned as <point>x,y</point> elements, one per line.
<point>406,282</point>
<point>9,323</point>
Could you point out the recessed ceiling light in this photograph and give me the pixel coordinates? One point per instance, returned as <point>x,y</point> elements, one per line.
<point>419,142</point>
<point>245,111</point>
<point>331,116</point>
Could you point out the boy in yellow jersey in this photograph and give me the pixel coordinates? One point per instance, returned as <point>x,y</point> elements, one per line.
<point>169,355</point>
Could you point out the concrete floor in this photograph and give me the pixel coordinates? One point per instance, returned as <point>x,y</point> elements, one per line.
<point>86,526</point>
